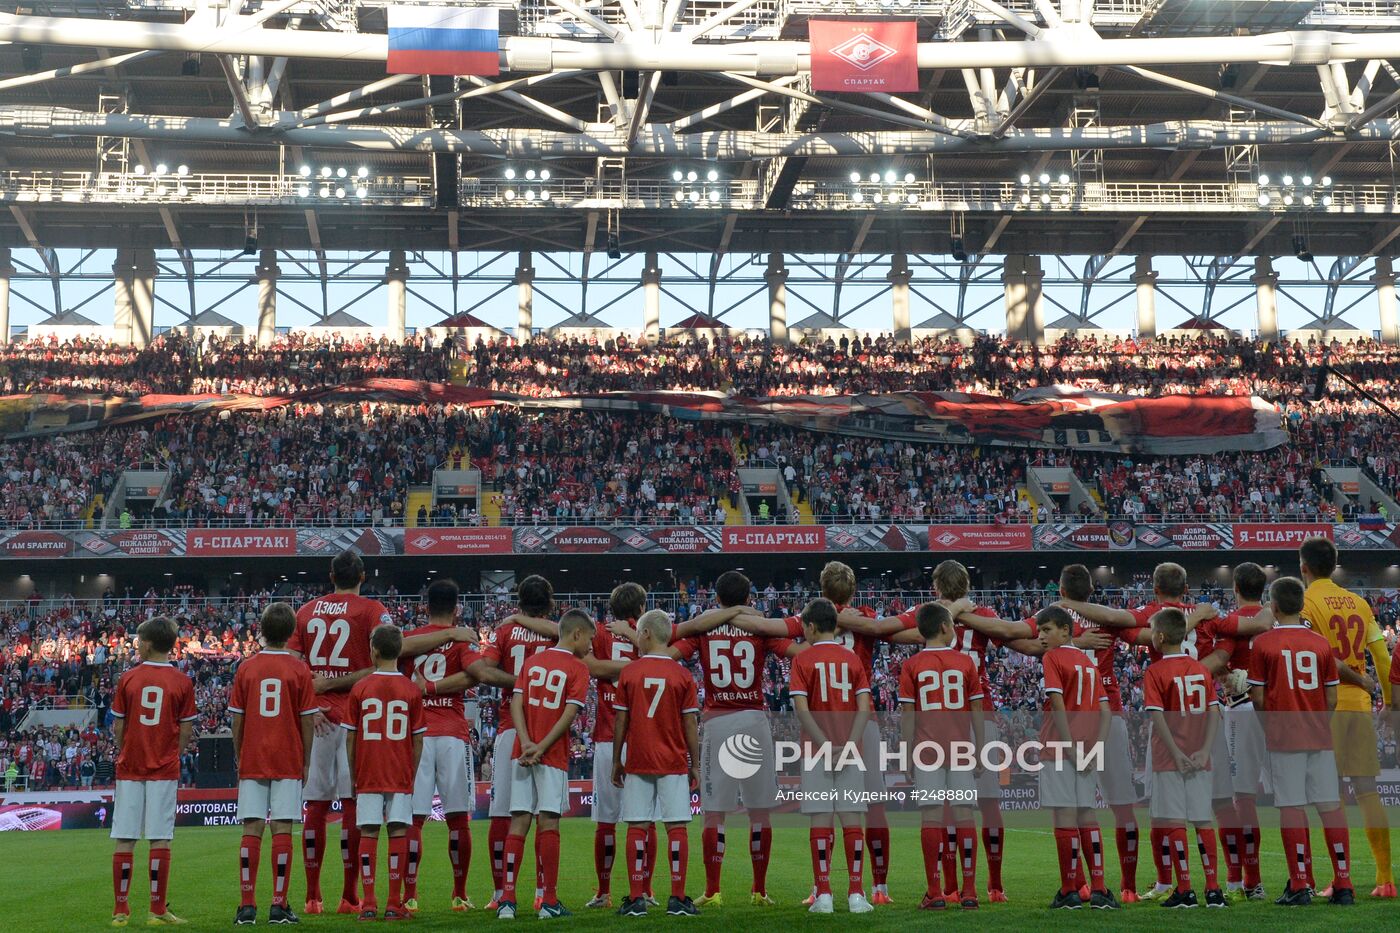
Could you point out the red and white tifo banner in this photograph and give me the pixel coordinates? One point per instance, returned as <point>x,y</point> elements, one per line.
<point>979,538</point>
<point>36,544</point>
<point>858,57</point>
<point>458,541</point>
<point>240,542</point>
<point>775,538</point>
<point>1278,535</point>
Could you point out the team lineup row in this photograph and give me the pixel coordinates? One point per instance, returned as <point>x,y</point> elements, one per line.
<point>342,705</point>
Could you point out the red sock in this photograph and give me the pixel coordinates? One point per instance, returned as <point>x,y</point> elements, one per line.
<point>931,838</point>
<point>1125,838</point>
<point>121,881</point>
<point>950,854</point>
<point>1176,838</point>
<point>712,854</point>
<point>398,869</point>
<point>414,838</point>
<point>1293,828</point>
<point>1162,854</point>
<point>281,867</point>
<point>1067,848</point>
<point>993,841</point>
<point>369,858</point>
<point>1250,839</point>
<point>513,853</point>
<point>539,866</point>
<point>349,845</point>
<point>313,845</point>
<point>160,878</point>
<point>548,844</point>
<point>854,841</point>
<point>637,861</point>
<point>1228,819</point>
<point>604,851</point>
<point>760,850</point>
<point>459,852</point>
<point>967,857</point>
<point>1205,842</point>
<point>1338,838</point>
<point>1091,854</point>
<point>823,842</point>
<point>877,841</point>
<point>249,854</point>
<point>651,857</point>
<point>496,840</point>
<point>678,848</point>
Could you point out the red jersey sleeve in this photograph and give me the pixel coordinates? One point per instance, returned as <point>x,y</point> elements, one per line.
<point>295,642</point>
<point>305,692</point>
<point>352,719</point>
<point>798,679</point>
<point>972,677</point>
<point>185,710</point>
<point>492,649</point>
<point>1329,670</point>
<point>417,719</point>
<point>909,618</point>
<point>686,647</point>
<point>794,626</point>
<point>1054,677</point>
<point>690,697</point>
<point>1152,697</point>
<point>862,679</point>
<point>906,682</point>
<point>576,687</point>
<point>238,693</point>
<point>1258,669</point>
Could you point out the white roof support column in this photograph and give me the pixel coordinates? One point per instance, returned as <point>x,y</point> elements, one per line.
<point>651,298</point>
<point>396,280</point>
<point>267,274</point>
<point>898,277</point>
<point>1266,298</point>
<point>776,277</point>
<point>1145,280</point>
<point>6,270</point>
<point>133,308</point>
<point>1025,305</point>
<point>525,298</point>
<point>1384,280</point>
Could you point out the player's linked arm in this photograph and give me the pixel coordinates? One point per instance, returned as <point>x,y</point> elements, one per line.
<point>339,684</point>
<point>600,669</point>
<point>852,620</point>
<point>415,645</point>
<point>1000,629</point>
<point>1100,615</point>
<point>741,616</point>
<point>535,624</point>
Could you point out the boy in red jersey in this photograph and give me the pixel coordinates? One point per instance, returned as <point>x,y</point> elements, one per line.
<point>550,691</point>
<point>385,729</point>
<point>273,702</point>
<point>940,694</point>
<point>659,764</point>
<point>1077,716</point>
<point>154,710</point>
<point>333,635</point>
<point>1293,680</point>
<point>1180,696</point>
<point>444,766</point>
<point>831,693</point>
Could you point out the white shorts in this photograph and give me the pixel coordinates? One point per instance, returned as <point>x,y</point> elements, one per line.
<point>989,781</point>
<point>501,763</point>
<point>870,751</point>
<point>1248,754</point>
<point>328,777</point>
<point>1181,797</point>
<point>1062,786</point>
<point>607,799</point>
<point>144,810</point>
<point>446,766</point>
<point>383,809</point>
<point>937,786</point>
<point>727,735</point>
<point>269,799</point>
<point>647,798</point>
<point>1303,778</point>
<point>1221,784</point>
<point>832,790</point>
<point>1116,779</point>
<point>538,789</point>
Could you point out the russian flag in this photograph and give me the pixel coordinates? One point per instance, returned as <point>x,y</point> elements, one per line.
<point>444,40</point>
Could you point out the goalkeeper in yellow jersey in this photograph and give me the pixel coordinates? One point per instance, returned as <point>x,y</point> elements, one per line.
<point>1346,621</point>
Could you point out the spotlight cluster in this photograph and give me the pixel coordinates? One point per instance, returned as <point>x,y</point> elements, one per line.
<point>1296,192</point>
<point>333,182</point>
<point>695,186</point>
<point>527,184</point>
<point>889,188</point>
<point>1046,190</point>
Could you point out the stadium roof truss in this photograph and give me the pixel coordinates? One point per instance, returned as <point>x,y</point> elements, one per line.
<point>1114,130</point>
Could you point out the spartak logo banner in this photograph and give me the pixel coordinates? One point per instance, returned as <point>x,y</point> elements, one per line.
<point>859,56</point>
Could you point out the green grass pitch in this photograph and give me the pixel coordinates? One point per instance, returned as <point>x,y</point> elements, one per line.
<point>61,881</point>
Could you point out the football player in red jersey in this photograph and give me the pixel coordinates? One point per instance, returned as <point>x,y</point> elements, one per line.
<point>444,766</point>
<point>1073,694</point>
<point>552,687</point>
<point>153,707</point>
<point>272,702</point>
<point>1180,697</point>
<point>656,729</point>
<point>1293,680</point>
<point>830,690</point>
<point>385,725</point>
<point>940,698</point>
<point>332,635</point>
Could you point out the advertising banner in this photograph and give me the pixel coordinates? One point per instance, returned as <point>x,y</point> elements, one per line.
<point>1284,536</point>
<point>979,538</point>
<point>776,538</point>
<point>458,541</point>
<point>240,542</point>
<point>860,56</point>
